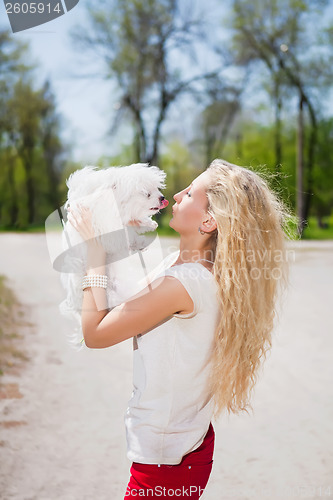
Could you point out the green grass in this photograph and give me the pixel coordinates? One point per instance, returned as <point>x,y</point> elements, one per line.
<point>34,228</point>
<point>313,232</point>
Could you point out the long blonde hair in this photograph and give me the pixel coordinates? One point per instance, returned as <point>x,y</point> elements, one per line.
<point>250,264</point>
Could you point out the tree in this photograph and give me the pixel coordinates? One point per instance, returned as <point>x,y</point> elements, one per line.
<point>12,53</point>
<point>136,39</point>
<point>323,171</point>
<point>51,145</point>
<point>278,34</point>
<point>30,146</point>
<point>25,107</point>
<point>215,121</point>
<point>35,137</point>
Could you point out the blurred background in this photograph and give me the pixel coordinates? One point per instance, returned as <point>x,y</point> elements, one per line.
<point>175,83</point>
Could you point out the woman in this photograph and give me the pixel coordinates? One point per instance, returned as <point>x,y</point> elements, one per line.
<point>199,329</point>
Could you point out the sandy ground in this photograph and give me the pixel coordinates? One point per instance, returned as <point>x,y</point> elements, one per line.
<point>64,439</point>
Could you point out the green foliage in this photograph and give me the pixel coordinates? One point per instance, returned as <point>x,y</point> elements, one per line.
<point>30,147</point>
<point>313,231</point>
<point>323,170</point>
<point>252,145</point>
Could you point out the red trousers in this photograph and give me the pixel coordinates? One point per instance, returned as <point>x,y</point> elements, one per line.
<point>187,479</point>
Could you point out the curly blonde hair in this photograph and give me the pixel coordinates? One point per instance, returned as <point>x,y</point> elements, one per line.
<point>250,264</point>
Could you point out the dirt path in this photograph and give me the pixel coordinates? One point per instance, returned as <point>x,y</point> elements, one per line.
<point>69,442</point>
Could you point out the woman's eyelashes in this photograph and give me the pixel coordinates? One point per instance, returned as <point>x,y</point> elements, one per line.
<point>188,193</point>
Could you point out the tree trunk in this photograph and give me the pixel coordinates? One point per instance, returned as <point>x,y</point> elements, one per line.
<point>310,161</point>
<point>224,129</point>
<point>13,196</point>
<point>278,128</point>
<point>137,146</point>
<point>30,192</point>
<point>27,160</point>
<point>295,80</point>
<point>209,145</point>
<point>141,144</point>
<point>239,145</point>
<point>153,158</point>
<point>300,169</point>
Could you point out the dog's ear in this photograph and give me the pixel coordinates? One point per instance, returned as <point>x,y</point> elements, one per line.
<point>114,186</point>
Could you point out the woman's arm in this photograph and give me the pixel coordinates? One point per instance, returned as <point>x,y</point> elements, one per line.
<point>94,304</point>
<point>143,312</point>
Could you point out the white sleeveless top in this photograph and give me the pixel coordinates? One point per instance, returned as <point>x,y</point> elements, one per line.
<point>169,412</point>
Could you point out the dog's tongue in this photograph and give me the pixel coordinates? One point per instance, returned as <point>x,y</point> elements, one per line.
<point>164,203</point>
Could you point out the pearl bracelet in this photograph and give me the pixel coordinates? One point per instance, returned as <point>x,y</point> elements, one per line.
<point>96,280</point>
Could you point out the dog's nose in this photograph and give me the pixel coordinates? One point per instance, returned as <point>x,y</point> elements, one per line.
<point>163,202</point>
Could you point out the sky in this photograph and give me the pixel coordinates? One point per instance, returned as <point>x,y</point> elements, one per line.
<point>86,105</point>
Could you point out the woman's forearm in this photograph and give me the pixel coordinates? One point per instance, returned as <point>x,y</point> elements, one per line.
<point>94,304</point>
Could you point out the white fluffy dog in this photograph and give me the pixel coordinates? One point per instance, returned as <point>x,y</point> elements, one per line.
<point>116,197</point>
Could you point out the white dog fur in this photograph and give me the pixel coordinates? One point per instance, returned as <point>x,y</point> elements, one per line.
<point>115,196</point>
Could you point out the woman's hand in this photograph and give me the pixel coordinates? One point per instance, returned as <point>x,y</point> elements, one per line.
<point>82,222</point>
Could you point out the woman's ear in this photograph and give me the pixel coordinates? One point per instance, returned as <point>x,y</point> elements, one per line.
<point>210,224</point>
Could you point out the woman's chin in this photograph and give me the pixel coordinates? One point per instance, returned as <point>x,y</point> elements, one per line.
<point>172,226</point>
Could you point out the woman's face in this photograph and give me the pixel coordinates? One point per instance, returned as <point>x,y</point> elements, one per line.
<point>189,211</point>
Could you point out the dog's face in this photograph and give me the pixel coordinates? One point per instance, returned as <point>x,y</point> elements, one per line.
<point>138,192</point>
<point>118,196</point>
